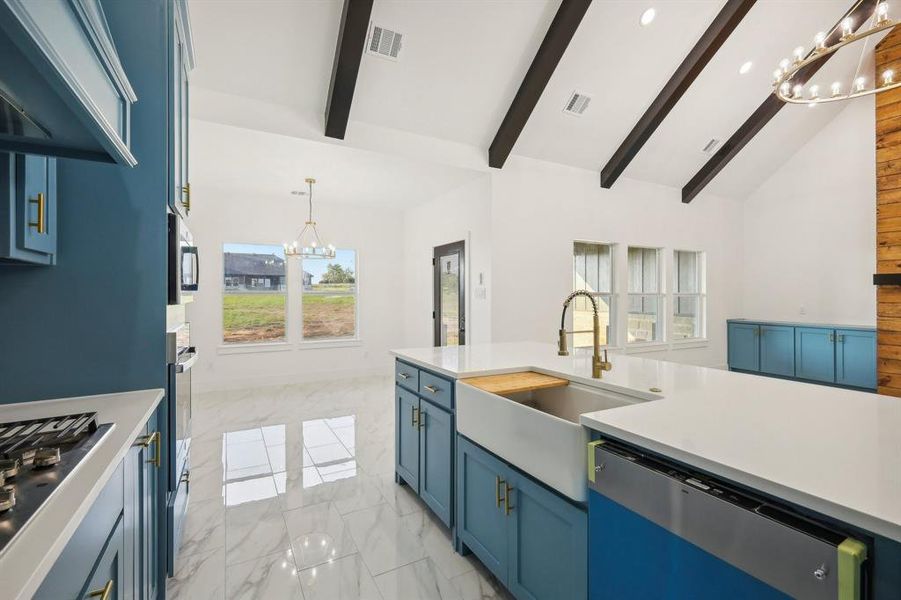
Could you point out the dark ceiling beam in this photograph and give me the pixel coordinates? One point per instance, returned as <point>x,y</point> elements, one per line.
<point>860,12</point>
<point>558,36</point>
<point>707,46</point>
<point>348,54</point>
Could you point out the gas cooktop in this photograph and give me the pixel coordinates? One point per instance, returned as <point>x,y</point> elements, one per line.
<point>35,457</point>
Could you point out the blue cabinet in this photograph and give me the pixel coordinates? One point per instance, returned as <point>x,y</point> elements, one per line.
<point>65,92</point>
<point>815,353</point>
<point>424,437</point>
<point>436,442</point>
<point>481,521</point>
<point>777,350</point>
<point>406,445</point>
<point>843,356</point>
<point>116,548</point>
<point>27,209</point>
<point>182,62</point>
<point>855,358</point>
<point>534,541</point>
<point>744,346</point>
<point>549,542</point>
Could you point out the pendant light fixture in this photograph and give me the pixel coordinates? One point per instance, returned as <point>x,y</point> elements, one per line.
<point>308,244</point>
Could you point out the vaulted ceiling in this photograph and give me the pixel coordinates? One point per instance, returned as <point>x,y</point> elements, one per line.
<point>462,62</point>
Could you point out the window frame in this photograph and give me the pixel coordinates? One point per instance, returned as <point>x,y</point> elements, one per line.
<point>331,341</point>
<point>611,296</point>
<point>701,294</point>
<point>261,345</point>
<point>293,338</point>
<point>662,325</point>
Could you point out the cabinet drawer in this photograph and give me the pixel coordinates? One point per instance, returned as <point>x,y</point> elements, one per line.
<point>71,572</point>
<point>406,375</point>
<point>437,390</point>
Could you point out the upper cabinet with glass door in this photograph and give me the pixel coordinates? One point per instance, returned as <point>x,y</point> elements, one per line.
<point>182,62</point>
<point>63,90</point>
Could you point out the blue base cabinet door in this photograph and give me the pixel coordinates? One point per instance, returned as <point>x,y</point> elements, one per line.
<point>744,346</point>
<point>481,521</point>
<point>815,354</point>
<point>855,358</point>
<point>549,539</point>
<point>406,447</point>
<point>777,350</point>
<point>436,440</point>
<point>108,579</point>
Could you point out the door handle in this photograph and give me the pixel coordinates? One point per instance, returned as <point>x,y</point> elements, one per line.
<point>41,223</point>
<point>508,508</point>
<point>186,197</point>
<point>104,592</point>
<point>421,419</point>
<point>430,388</point>
<point>403,376</point>
<point>414,422</point>
<point>153,438</point>
<point>497,490</point>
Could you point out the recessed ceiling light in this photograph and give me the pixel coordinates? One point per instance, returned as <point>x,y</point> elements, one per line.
<point>647,16</point>
<point>745,67</point>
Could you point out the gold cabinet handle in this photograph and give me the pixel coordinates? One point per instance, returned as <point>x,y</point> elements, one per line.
<point>186,199</point>
<point>41,223</point>
<point>508,508</point>
<point>497,490</point>
<point>153,438</point>
<point>104,592</point>
<point>186,477</point>
<point>414,416</point>
<point>430,388</point>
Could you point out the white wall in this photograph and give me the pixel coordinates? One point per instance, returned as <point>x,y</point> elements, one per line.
<point>538,209</point>
<point>809,231</point>
<point>461,214</point>
<point>228,216</point>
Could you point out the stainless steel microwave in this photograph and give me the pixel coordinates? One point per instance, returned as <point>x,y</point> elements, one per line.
<point>184,262</point>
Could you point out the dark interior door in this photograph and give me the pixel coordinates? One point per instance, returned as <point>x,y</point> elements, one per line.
<point>449,312</point>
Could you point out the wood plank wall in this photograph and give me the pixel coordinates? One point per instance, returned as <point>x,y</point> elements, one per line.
<point>888,217</point>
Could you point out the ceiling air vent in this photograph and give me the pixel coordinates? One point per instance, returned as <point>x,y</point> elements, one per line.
<point>711,146</point>
<point>577,104</point>
<point>384,42</point>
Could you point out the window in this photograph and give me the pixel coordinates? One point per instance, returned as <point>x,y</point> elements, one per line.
<point>329,299</point>
<point>645,295</point>
<point>592,271</point>
<point>253,300</point>
<point>688,295</point>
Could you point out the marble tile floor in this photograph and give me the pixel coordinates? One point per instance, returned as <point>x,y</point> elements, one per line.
<point>293,497</point>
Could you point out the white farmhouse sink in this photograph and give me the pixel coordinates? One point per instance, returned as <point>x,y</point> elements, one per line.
<point>537,431</point>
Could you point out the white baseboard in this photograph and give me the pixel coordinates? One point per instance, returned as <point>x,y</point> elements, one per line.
<point>242,383</point>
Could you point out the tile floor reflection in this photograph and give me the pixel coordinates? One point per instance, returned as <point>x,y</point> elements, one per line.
<point>293,497</point>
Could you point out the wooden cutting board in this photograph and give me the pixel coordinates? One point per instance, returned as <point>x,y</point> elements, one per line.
<point>510,383</point>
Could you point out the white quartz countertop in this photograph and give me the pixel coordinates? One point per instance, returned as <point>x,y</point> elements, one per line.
<point>27,559</point>
<point>834,451</point>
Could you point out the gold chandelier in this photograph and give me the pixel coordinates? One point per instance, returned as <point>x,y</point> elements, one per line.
<point>308,244</point>
<point>794,93</point>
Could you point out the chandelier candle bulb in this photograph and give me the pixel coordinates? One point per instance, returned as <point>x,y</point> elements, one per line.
<point>881,13</point>
<point>888,77</point>
<point>814,91</point>
<point>847,27</point>
<point>798,91</point>
<point>799,53</point>
<point>836,89</point>
<point>859,84</point>
<point>820,41</point>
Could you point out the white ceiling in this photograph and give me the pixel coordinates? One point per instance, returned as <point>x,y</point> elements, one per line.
<point>462,62</point>
<point>261,164</point>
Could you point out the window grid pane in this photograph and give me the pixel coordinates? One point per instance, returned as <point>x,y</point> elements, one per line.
<point>644,318</point>
<point>329,299</point>
<point>254,288</point>
<point>644,270</point>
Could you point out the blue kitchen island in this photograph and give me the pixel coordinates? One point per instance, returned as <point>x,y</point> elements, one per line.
<point>801,481</point>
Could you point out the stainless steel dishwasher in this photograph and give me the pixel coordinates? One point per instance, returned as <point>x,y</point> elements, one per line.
<point>657,530</point>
